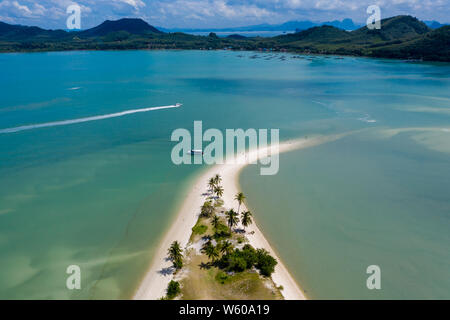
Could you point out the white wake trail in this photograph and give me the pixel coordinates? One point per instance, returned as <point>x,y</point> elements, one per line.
<point>87,119</point>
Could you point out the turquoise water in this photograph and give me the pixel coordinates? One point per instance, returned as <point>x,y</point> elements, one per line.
<point>100,194</point>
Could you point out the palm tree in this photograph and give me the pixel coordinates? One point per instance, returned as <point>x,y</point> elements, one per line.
<point>240,199</point>
<point>211,184</point>
<point>207,209</point>
<point>232,218</point>
<point>175,254</point>
<point>211,251</point>
<point>219,191</point>
<point>215,221</point>
<point>217,179</point>
<point>246,219</point>
<point>226,247</point>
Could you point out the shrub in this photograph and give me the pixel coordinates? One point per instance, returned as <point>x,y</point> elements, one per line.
<point>199,229</point>
<point>248,257</point>
<point>222,232</point>
<point>173,289</point>
<point>265,262</point>
<point>239,260</point>
<point>222,277</point>
<point>249,254</point>
<point>236,263</point>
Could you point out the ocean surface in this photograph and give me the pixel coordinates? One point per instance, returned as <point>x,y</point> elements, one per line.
<point>86,176</point>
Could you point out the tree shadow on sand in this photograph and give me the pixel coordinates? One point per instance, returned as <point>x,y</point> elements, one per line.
<point>206,265</point>
<point>207,238</point>
<point>167,271</point>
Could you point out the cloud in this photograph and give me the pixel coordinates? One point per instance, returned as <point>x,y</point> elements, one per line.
<point>22,8</point>
<point>136,4</point>
<point>15,9</point>
<point>214,13</point>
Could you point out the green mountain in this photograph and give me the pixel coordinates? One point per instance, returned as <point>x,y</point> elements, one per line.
<point>10,32</point>
<point>433,46</point>
<point>401,37</point>
<point>400,27</point>
<point>323,34</point>
<point>132,26</point>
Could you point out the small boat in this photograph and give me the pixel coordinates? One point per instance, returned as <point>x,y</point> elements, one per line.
<point>178,104</point>
<point>194,152</point>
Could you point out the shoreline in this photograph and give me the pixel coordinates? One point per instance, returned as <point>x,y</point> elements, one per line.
<point>154,283</point>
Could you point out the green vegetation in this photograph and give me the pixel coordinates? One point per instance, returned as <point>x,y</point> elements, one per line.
<point>215,222</point>
<point>173,289</point>
<point>199,229</point>
<point>218,191</point>
<point>215,284</point>
<point>240,199</point>
<point>175,254</point>
<point>402,37</point>
<point>211,184</point>
<point>265,262</point>
<point>222,277</point>
<point>223,271</point>
<point>246,219</point>
<point>221,232</point>
<point>247,258</point>
<point>232,218</point>
<point>225,247</point>
<point>207,209</point>
<point>217,179</point>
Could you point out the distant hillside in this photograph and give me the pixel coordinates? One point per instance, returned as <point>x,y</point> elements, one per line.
<point>323,34</point>
<point>401,37</point>
<point>400,27</point>
<point>435,24</point>
<point>434,46</point>
<point>346,24</point>
<point>18,32</point>
<point>132,26</point>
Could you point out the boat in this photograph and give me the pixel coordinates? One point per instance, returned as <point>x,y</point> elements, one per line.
<point>194,152</point>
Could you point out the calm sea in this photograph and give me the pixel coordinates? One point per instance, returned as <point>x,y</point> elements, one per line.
<point>100,194</point>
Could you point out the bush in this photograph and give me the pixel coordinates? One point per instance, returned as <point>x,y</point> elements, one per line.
<point>199,229</point>
<point>236,263</point>
<point>265,262</point>
<point>247,258</point>
<point>222,277</point>
<point>222,232</point>
<point>249,254</point>
<point>239,260</point>
<point>173,289</point>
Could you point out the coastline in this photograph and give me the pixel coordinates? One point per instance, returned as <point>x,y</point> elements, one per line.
<point>154,283</point>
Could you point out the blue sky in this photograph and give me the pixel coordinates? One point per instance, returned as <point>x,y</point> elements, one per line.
<point>213,13</point>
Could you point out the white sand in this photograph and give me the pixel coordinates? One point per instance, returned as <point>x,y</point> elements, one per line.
<point>155,283</point>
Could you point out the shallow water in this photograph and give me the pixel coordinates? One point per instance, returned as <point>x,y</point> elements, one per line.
<point>100,194</point>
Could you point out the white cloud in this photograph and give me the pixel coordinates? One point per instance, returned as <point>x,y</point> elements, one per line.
<point>22,8</point>
<point>136,4</point>
<point>214,13</point>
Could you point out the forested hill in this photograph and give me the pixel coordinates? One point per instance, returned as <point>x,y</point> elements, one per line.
<point>401,37</point>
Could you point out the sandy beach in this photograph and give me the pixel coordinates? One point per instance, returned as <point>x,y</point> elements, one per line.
<point>156,280</point>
